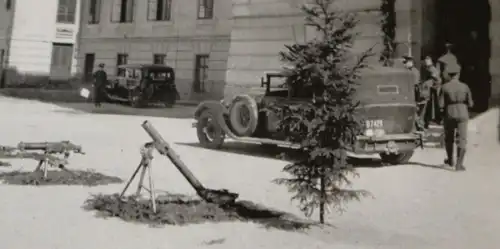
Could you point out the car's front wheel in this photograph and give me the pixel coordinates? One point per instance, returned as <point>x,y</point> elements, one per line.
<point>396,158</point>
<point>209,132</point>
<point>135,99</point>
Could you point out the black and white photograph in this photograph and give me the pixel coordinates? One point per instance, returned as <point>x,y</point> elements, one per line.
<point>183,124</point>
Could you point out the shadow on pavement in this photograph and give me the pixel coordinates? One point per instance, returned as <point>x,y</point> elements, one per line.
<point>178,111</point>
<point>286,154</point>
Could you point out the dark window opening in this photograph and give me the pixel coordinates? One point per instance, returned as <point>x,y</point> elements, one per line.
<point>121,59</point>
<point>159,10</point>
<point>123,11</point>
<point>205,9</point>
<point>159,59</point>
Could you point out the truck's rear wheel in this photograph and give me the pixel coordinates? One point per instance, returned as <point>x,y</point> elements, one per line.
<point>396,158</point>
<point>209,132</point>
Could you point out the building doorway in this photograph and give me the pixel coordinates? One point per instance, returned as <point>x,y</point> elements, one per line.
<point>465,23</point>
<point>61,62</point>
<point>88,66</point>
<point>200,73</point>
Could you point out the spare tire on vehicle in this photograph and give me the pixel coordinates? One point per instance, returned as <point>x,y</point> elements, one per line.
<point>243,115</point>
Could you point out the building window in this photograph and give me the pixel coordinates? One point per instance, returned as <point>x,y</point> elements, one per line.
<point>66,11</point>
<point>123,11</point>
<point>121,59</point>
<point>159,59</point>
<point>8,4</point>
<point>200,72</point>
<point>159,10</point>
<point>94,11</point>
<point>205,9</point>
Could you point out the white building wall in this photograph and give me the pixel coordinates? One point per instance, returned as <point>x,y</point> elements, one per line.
<point>34,31</point>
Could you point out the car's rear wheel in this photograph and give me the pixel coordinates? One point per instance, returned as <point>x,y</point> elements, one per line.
<point>209,132</point>
<point>396,158</point>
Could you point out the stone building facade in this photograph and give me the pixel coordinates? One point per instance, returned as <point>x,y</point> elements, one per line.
<point>192,36</point>
<point>243,38</point>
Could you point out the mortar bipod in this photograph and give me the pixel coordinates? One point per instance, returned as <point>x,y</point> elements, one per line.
<point>146,166</point>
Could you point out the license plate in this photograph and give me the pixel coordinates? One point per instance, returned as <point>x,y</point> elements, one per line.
<point>374,123</point>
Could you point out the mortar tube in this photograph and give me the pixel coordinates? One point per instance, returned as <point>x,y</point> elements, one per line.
<point>158,139</point>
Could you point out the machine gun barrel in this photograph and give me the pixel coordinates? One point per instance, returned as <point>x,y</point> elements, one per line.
<point>51,147</point>
<point>164,148</point>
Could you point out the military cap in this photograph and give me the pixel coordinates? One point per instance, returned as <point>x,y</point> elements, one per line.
<point>101,64</point>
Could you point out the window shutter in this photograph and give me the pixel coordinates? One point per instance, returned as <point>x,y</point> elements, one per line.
<point>115,10</point>
<point>152,9</point>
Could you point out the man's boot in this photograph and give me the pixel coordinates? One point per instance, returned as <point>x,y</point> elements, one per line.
<point>460,159</point>
<point>449,154</point>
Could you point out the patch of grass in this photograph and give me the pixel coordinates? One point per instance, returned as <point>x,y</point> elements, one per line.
<point>175,209</point>
<point>56,177</point>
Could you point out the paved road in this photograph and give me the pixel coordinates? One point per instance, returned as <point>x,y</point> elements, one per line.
<point>178,111</point>
<point>416,206</point>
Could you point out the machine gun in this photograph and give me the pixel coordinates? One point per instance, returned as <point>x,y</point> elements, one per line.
<point>45,159</point>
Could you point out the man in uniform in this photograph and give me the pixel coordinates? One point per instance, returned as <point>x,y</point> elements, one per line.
<point>432,85</point>
<point>100,81</point>
<point>455,99</point>
<point>419,95</point>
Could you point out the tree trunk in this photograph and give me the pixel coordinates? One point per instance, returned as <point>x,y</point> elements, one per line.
<point>322,201</point>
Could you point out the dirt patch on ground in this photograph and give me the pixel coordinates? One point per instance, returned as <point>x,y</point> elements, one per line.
<point>56,177</point>
<point>175,209</point>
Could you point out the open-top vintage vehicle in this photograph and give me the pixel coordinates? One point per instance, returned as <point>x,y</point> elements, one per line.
<point>387,106</point>
<point>142,84</point>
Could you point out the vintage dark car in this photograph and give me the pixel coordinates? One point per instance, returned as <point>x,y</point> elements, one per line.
<point>387,106</point>
<point>143,84</point>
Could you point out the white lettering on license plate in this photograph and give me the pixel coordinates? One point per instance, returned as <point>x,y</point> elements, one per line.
<point>377,123</point>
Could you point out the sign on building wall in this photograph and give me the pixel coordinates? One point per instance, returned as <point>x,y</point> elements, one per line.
<point>64,33</point>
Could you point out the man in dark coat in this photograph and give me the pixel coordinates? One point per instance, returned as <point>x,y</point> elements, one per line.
<point>419,94</point>
<point>100,81</point>
<point>455,99</point>
<point>432,83</point>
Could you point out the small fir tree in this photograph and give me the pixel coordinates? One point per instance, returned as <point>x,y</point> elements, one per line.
<point>326,128</point>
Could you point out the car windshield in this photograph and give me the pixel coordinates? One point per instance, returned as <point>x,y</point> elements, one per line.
<point>305,91</point>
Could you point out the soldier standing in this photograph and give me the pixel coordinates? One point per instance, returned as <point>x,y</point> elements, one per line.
<point>432,84</point>
<point>100,81</point>
<point>455,99</point>
<point>419,94</point>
